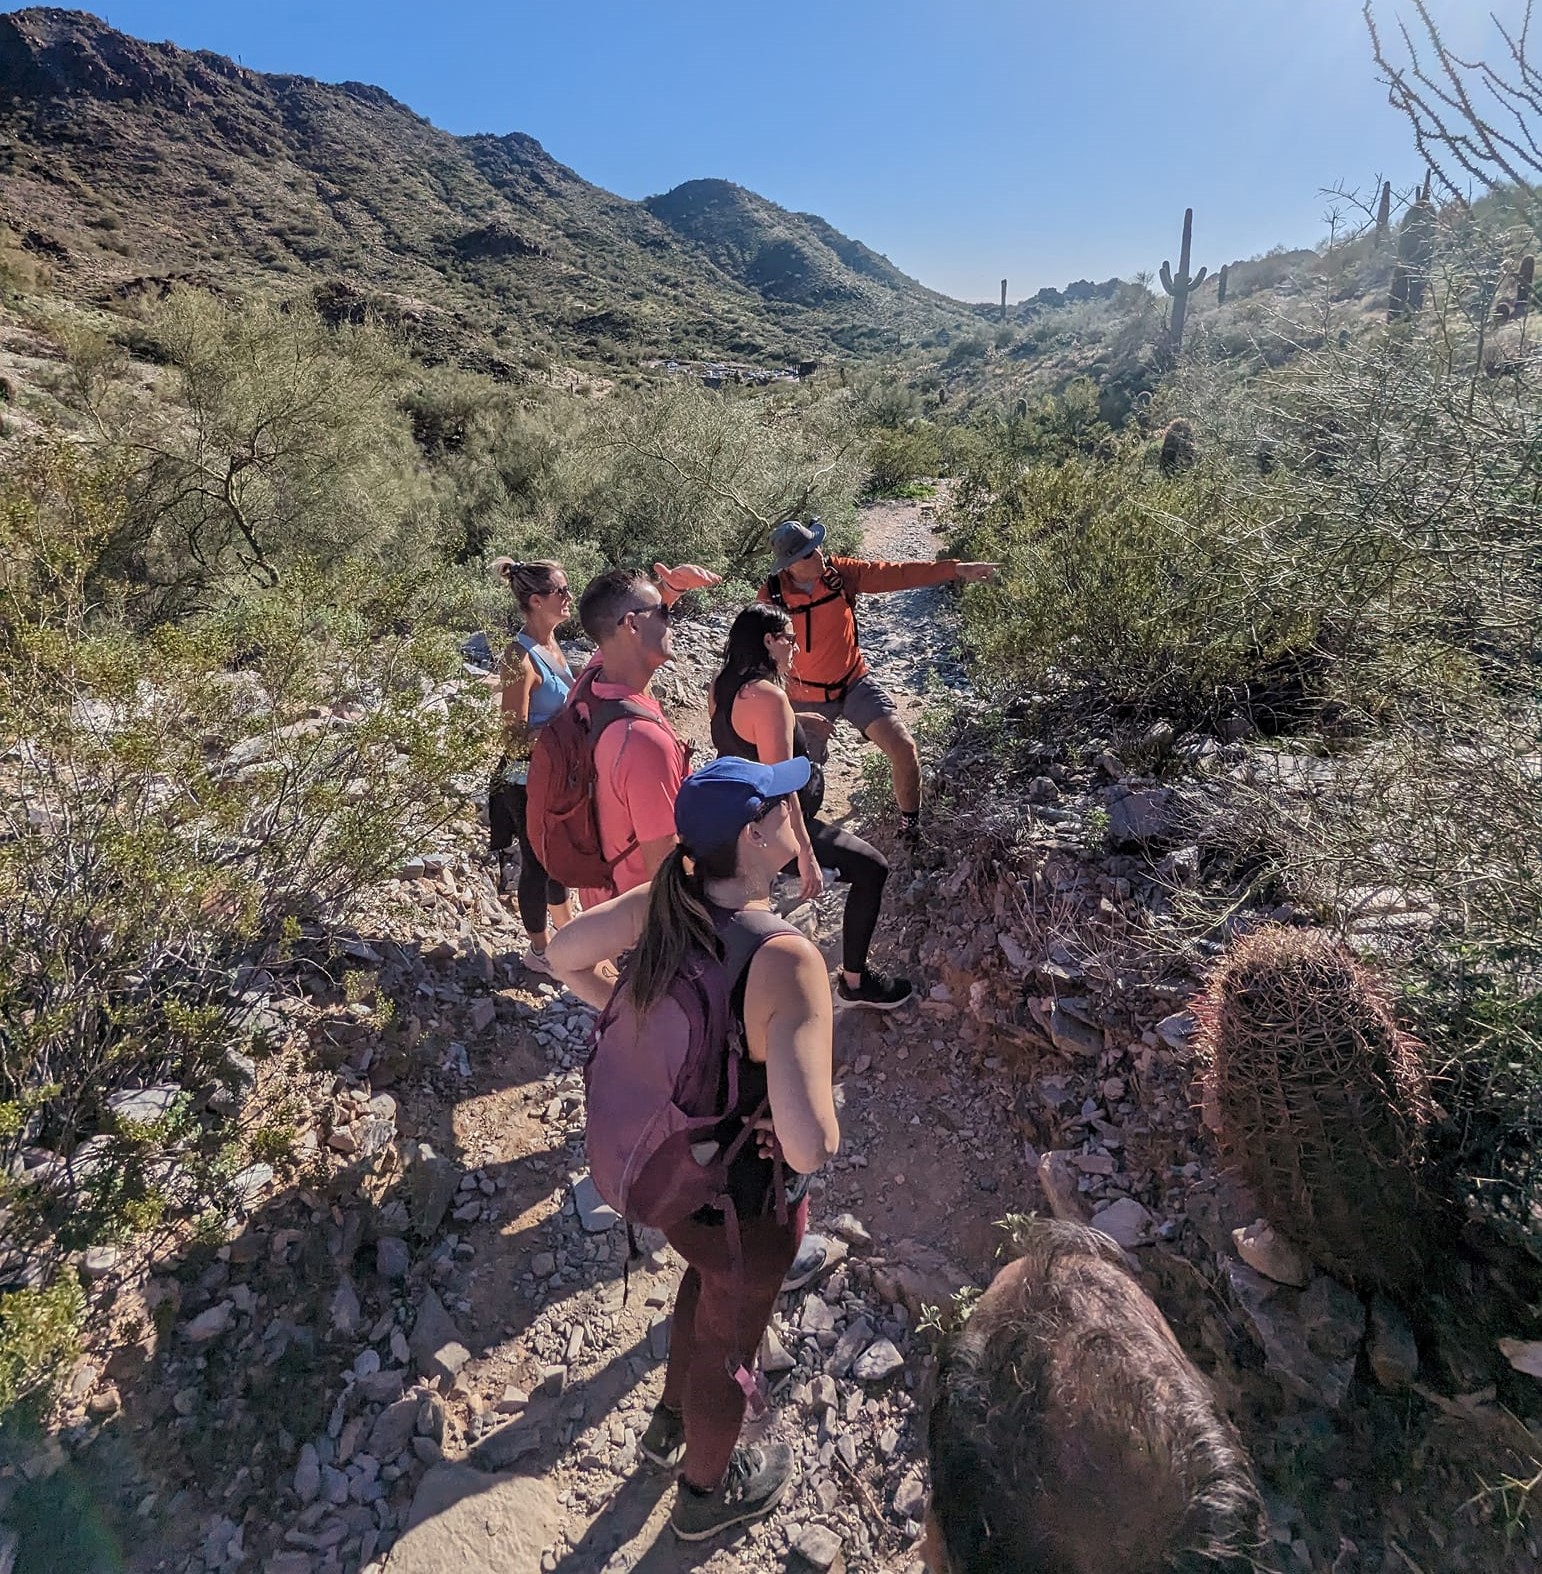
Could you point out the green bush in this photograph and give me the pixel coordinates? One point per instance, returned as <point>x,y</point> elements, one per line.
<point>173,806</point>
<point>1139,596</point>
<point>39,1339</point>
<point>898,459</point>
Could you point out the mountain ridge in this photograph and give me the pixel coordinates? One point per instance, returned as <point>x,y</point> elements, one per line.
<point>124,163</point>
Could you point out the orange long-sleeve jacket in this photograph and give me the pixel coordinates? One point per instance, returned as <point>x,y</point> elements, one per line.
<point>830,658</point>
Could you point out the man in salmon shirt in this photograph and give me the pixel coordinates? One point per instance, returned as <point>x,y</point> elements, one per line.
<point>829,676</point>
<point>639,762</point>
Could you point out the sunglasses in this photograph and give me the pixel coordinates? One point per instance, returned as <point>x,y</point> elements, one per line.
<point>564,591</point>
<point>662,608</point>
<point>769,807</point>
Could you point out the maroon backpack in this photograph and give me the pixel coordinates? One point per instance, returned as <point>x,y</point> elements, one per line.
<point>560,816</point>
<point>658,1084</point>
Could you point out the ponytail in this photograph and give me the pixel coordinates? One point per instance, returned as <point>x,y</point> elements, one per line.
<point>678,920</point>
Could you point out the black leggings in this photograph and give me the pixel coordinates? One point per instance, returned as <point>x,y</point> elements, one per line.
<point>866,868</point>
<point>537,890</point>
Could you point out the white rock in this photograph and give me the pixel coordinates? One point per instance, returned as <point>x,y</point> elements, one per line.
<point>210,1324</point>
<point>1525,1355</point>
<point>877,1362</point>
<point>1268,1252</point>
<point>1126,1222</point>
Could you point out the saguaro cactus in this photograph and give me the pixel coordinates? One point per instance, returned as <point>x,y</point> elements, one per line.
<point>1181,286</point>
<point>1523,285</point>
<point>1384,213</point>
<point>1220,285</point>
<point>1415,253</point>
<point>1003,300</point>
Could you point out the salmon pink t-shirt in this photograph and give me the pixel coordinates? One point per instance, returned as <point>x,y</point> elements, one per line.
<point>639,765</point>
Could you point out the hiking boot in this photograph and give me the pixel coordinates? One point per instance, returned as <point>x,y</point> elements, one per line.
<point>664,1441</point>
<point>877,991</point>
<point>813,1254</point>
<point>753,1485</point>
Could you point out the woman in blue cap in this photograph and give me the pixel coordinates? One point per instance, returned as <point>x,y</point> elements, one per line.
<point>736,832</point>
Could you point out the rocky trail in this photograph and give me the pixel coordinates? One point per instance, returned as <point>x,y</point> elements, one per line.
<point>417,1350</point>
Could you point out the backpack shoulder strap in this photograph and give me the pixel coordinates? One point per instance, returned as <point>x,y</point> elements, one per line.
<point>742,934</point>
<point>774,591</point>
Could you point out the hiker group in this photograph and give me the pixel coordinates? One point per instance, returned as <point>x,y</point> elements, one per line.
<point>709,1090</point>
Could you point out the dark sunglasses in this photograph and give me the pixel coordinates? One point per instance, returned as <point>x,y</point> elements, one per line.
<point>769,807</point>
<point>565,591</point>
<point>647,612</point>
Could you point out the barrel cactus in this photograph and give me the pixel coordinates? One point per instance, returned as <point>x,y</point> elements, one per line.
<point>1322,1102</point>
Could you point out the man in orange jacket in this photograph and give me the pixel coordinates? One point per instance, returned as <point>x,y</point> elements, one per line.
<point>829,676</point>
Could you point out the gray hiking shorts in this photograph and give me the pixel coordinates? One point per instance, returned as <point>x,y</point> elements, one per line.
<point>864,704</point>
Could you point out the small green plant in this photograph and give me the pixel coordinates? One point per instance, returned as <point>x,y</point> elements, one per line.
<point>39,1337</point>
<point>274,1144</point>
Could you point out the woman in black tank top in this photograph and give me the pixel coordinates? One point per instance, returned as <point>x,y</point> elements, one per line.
<point>752,718</point>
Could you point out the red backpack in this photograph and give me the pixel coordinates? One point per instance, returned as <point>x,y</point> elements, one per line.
<point>561,821</point>
<point>658,1084</point>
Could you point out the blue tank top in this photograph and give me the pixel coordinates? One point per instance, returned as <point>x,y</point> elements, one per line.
<point>550,695</point>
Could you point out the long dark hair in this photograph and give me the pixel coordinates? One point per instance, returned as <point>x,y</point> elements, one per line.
<point>678,920</point>
<point>746,657</point>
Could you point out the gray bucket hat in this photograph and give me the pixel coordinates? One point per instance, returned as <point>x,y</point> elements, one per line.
<point>791,540</point>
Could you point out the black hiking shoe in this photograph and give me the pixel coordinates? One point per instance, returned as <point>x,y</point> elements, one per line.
<point>664,1441</point>
<point>753,1485</point>
<point>877,991</point>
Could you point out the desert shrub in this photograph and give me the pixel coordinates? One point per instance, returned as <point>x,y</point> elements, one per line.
<point>282,443</point>
<point>683,473</point>
<point>1136,594</point>
<point>972,347</point>
<point>898,459</point>
<point>39,1330</point>
<point>171,808</point>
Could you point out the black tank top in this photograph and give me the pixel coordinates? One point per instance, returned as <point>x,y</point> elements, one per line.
<point>726,741</point>
<point>751,1179</point>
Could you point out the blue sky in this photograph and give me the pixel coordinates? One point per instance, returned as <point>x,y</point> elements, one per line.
<point>1045,140</point>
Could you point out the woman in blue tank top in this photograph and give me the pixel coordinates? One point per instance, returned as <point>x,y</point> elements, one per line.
<point>535,679</point>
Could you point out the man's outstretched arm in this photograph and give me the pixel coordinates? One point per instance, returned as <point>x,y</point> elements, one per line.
<point>872,576</point>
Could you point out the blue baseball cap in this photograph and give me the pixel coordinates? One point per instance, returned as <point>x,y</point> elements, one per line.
<point>715,803</point>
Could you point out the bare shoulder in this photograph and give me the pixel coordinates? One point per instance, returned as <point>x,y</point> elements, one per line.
<point>787,961</point>
<point>762,697</point>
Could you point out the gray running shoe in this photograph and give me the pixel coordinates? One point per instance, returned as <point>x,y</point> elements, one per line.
<point>813,1252</point>
<point>753,1485</point>
<point>664,1441</point>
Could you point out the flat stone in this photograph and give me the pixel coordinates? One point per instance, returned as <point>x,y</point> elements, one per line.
<point>98,1262</point>
<point>773,1355</point>
<point>910,1496</point>
<point>435,1341</point>
<point>851,1344</point>
<point>1138,814</point>
<point>1176,1030</point>
<point>658,1338</point>
<point>1126,1222</point>
<point>307,1475</point>
<point>818,1546</point>
<point>1525,1355</point>
<point>1310,1338</point>
<point>393,1429</point>
<point>462,1518</point>
<point>393,1260</point>
<point>594,1214</point>
<point>1268,1252</point>
<point>484,1012</point>
<point>877,1362</point>
<point>1071,1036</point>
<point>543,1265</point>
<point>145,1104</point>
<point>816,1316</point>
<point>210,1324</point>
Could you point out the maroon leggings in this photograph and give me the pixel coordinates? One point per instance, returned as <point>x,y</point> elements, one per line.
<point>697,1382</point>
